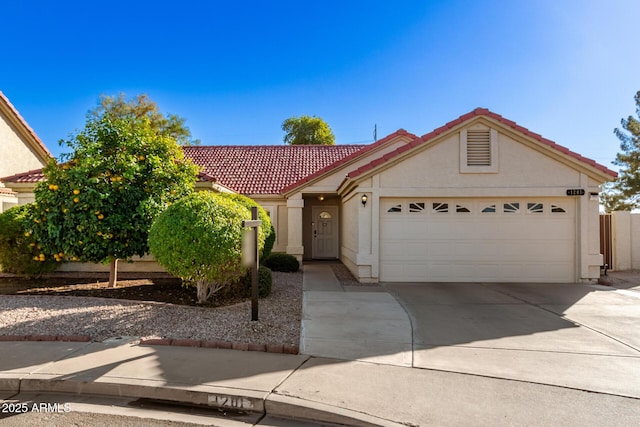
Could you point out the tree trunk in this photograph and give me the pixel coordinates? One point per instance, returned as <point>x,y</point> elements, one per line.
<point>113,273</point>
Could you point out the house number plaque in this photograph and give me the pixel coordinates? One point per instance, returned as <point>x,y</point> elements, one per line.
<point>575,192</point>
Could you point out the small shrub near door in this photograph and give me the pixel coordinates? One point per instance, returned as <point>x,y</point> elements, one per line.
<point>242,287</point>
<point>281,262</point>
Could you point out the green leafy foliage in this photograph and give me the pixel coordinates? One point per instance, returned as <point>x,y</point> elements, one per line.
<point>306,130</point>
<point>98,206</point>
<point>624,193</point>
<point>266,233</point>
<point>19,253</point>
<point>199,239</point>
<point>281,262</point>
<point>141,106</point>
<point>242,287</point>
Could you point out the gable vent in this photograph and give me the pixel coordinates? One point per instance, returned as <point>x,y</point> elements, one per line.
<point>478,147</point>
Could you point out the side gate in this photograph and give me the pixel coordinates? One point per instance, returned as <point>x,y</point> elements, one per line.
<point>606,242</point>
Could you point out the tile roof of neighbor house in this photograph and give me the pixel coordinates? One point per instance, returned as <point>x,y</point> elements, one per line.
<point>7,191</point>
<point>479,112</point>
<point>13,111</point>
<point>266,169</point>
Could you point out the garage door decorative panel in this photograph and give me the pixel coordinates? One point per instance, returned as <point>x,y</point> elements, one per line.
<point>522,240</point>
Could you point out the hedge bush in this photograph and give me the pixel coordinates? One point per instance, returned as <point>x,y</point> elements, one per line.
<point>281,262</point>
<point>199,239</point>
<point>19,253</point>
<point>242,287</point>
<point>267,235</point>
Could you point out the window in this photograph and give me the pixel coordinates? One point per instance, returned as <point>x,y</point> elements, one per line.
<point>440,207</point>
<point>325,215</point>
<point>416,207</point>
<point>489,209</point>
<point>535,208</point>
<point>462,209</point>
<point>557,209</point>
<point>478,150</point>
<point>511,208</point>
<point>395,208</point>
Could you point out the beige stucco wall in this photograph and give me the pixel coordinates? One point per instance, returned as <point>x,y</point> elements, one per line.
<point>524,170</point>
<point>277,208</point>
<point>15,154</point>
<point>520,170</point>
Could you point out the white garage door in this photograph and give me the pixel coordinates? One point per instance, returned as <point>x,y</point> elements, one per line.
<point>477,240</point>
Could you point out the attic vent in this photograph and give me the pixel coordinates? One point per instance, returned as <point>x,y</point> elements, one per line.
<point>478,147</point>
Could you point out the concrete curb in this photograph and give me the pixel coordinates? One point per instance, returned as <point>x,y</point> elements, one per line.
<point>282,406</point>
<point>263,402</point>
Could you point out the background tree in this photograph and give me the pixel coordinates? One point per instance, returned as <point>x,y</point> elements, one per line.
<point>98,206</point>
<point>199,239</point>
<point>305,130</point>
<point>624,193</point>
<point>141,106</point>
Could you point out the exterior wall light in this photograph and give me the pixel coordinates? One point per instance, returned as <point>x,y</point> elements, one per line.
<point>321,198</point>
<point>364,200</point>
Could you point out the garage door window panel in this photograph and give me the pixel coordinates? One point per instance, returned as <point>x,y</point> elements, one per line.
<point>512,207</point>
<point>555,209</point>
<point>489,209</point>
<point>416,207</point>
<point>535,208</point>
<point>438,207</point>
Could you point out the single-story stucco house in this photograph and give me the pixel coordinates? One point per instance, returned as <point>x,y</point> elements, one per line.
<point>478,199</point>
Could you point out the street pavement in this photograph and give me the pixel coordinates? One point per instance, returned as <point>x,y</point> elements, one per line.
<point>389,355</point>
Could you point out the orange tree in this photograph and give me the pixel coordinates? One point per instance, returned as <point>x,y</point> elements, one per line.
<point>98,205</point>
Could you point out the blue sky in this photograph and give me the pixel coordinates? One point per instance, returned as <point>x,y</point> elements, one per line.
<point>235,70</point>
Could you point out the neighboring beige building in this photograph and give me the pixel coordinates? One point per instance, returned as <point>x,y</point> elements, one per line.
<point>20,149</point>
<point>480,199</point>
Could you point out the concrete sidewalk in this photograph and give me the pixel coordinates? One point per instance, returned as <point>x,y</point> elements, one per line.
<point>301,387</point>
<point>308,387</point>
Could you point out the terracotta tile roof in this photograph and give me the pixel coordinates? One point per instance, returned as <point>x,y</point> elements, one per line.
<point>35,175</point>
<point>265,169</point>
<point>12,110</point>
<point>365,149</point>
<point>468,116</point>
<point>7,191</point>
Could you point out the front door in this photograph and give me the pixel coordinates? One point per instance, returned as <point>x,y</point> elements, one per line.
<point>325,232</point>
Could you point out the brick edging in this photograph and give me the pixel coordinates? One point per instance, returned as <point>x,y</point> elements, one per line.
<point>63,338</point>
<point>268,348</point>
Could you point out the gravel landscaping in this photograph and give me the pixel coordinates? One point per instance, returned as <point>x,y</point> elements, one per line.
<point>104,318</point>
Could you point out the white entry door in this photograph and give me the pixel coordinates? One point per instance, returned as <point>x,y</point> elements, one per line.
<point>324,228</point>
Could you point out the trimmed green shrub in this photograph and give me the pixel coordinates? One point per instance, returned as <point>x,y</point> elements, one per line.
<point>267,232</point>
<point>242,287</point>
<point>281,262</point>
<point>199,239</point>
<point>19,253</point>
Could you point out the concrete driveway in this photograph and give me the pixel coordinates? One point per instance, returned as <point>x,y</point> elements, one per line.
<point>580,336</point>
